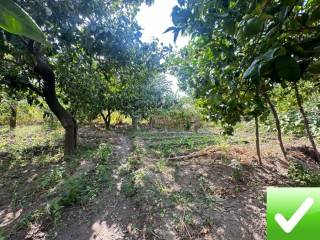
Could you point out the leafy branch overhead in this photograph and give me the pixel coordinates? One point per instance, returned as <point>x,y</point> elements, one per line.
<point>17,21</point>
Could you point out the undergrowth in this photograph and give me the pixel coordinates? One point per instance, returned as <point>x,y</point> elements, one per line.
<point>302,176</point>
<point>45,180</point>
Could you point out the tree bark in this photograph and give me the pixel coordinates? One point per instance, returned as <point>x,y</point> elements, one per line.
<point>306,121</point>
<point>49,94</point>
<point>258,139</point>
<point>278,127</point>
<point>106,119</point>
<point>13,116</point>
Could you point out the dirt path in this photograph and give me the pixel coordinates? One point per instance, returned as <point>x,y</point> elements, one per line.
<point>201,198</point>
<point>110,215</point>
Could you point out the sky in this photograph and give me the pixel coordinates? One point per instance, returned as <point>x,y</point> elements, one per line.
<point>154,20</point>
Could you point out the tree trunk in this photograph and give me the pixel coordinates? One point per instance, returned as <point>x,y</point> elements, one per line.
<point>276,118</point>
<point>106,119</point>
<point>13,116</point>
<point>258,139</point>
<point>65,118</point>
<point>134,122</point>
<point>109,119</point>
<point>306,121</point>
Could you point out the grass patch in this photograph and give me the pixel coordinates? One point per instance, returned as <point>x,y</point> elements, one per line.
<point>42,181</point>
<point>32,144</point>
<point>178,146</point>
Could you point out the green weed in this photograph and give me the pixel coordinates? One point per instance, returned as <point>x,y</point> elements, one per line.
<point>302,176</point>
<point>54,210</point>
<point>183,197</point>
<point>104,151</point>
<point>160,166</point>
<point>178,145</point>
<point>237,170</point>
<point>27,219</point>
<point>183,219</point>
<point>77,190</point>
<point>132,164</point>
<point>55,175</point>
<point>128,186</point>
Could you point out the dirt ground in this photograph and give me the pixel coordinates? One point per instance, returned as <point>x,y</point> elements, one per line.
<point>160,190</point>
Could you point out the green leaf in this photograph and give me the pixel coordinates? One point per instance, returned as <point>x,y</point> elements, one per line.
<point>265,67</point>
<point>253,70</point>
<point>288,68</point>
<point>176,35</point>
<point>269,55</point>
<point>263,64</point>
<point>170,29</point>
<point>179,16</point>
<point>230,27</point>
<point>288,2</point>
<point>314,15</point>
<point>273,53</point>
<point>315,67</point>
<point>253,27</point>
<point>15,20</point>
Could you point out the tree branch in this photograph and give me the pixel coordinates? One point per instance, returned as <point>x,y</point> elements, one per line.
<point>33,88</point>
<point>26,85</point>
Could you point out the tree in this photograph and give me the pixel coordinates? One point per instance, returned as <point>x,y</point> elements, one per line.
<point>15,20</point>
<point>143,87</point>
<point>141,97</point>
<point>116,83</point>
<point>90,26</point>
<point>271,43</point>
<point>204,70</point>
<point>11,103</point>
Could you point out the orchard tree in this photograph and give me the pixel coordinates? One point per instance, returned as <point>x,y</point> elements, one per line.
<point>140,97</point>
<point>97,84</point>
<point>271,43</point>
<point>204,70</point>
<point>69,26</point>
<point>116,83</point>
<point>143,87</point>
<point>22,25</point>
